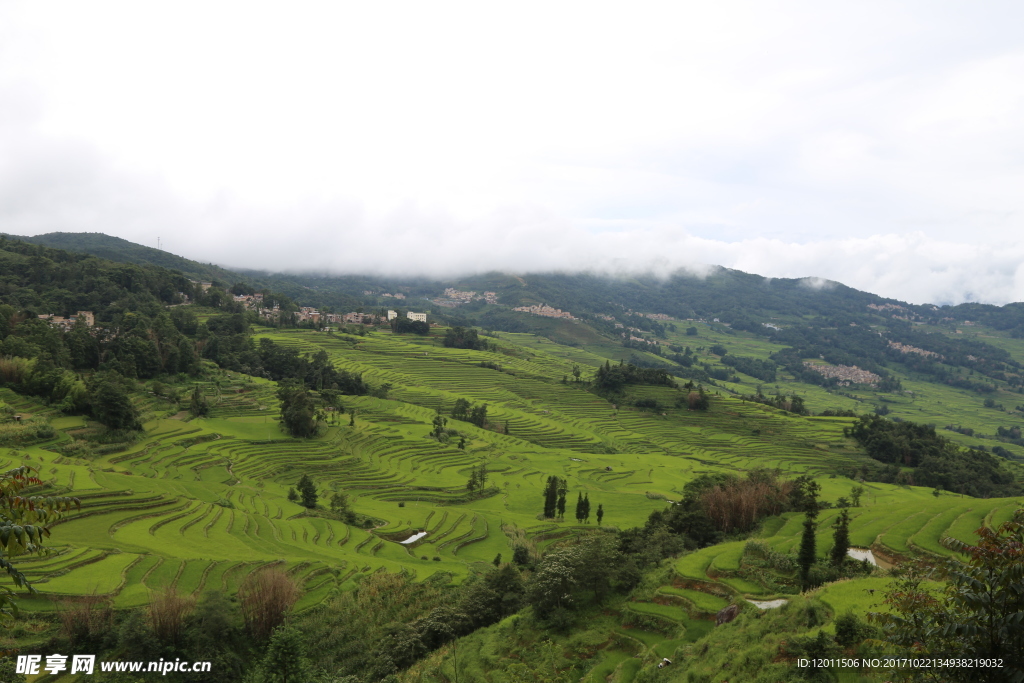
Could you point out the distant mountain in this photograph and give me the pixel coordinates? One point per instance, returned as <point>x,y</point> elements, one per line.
<point>123,251</point>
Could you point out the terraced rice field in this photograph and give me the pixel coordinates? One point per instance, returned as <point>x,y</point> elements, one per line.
<point>199,504</point>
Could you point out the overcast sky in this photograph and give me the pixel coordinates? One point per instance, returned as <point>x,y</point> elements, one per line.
<point>880,144</point>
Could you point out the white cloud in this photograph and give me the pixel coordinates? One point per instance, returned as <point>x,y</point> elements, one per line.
<point>876,144</point>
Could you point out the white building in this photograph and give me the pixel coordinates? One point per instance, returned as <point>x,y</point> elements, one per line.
<point>421,317</point>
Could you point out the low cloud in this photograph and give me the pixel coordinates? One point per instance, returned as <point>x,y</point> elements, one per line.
<point>678,135</point>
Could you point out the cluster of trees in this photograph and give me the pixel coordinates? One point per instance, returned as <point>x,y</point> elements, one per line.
<point>612,378</point>
<point>791,404</point>
<point>463,410</point>
<point>695,398</point>
<point>464,338</point>
<point>764,370</point>
<point>937,461</point>
<point>555,490</point>
<point>477,478</point>
<point>305,493</point>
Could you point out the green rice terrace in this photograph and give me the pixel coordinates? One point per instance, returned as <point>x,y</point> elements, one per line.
<point>199,504</point>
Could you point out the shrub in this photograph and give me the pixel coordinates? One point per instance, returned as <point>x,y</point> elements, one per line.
<point>266,595</point>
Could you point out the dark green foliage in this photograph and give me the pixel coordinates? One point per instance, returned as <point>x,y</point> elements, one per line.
<point>111,405</point>
<point>284,661</point>
<point>939,462</point>
<point>647,404</point>
<point>315,372</point>
<point>198,406</point>
<point>806,556</point>
<point>440,423</point>
<point>553,491</point>
<point>403,325</point>
<point>464,338</point>
<point>298,413</point>
<point>307,492</point>
<point>840,538</point>
<point>851,631</point>
<point>600,514</point>
<point>614,377</point>
<point>763,370</point>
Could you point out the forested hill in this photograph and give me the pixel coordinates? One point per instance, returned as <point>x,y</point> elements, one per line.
<point>123,251</point>
<point>743,300</point>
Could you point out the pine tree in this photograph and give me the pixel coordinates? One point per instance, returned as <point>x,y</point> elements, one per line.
<point>579,508</point>
<point>600,513</point>
<point>586,508</point>
<point>561,502</point>
<point>352,418</point>
<point>840,538</point>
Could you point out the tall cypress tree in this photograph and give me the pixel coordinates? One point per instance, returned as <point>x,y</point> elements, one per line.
<point>586,508</point>
<point>579,508</point>
<point>808,544</point>
<point>600,513</point>
<point>551,497</point>
<point>840,538</point>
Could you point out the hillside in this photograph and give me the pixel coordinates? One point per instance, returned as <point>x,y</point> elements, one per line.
<point>434,467</point>
<point>123,251</point>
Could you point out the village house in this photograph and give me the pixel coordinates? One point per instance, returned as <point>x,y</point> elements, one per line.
<point>67,323</point>
<point>546,311</point>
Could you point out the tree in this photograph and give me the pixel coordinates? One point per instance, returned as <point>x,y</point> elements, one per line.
<point>551,497</point>
<point>307,492</point>
<point>978,615</point>
<point>478,415</point>
<point>284,661</point>
<point>579,507</point>
<point>198,407</point>
<point>600,514</point>
<point>808,548</point>
<point>576,373</point>
<point>855,493</point>
<point>460,411</point>
<point>840,538</point>
<point>462,443</point>
<point>339,503</point>
<point>23,527</point>
<point>586,508</point>
<point>497,560</point>
<point>292,495</point>
<point>111,405</point>
<point>560,505</point>
<point>440,423</point>
<point>297,411</point>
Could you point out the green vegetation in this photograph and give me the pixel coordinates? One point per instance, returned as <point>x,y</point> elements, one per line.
<point>211,457</point>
